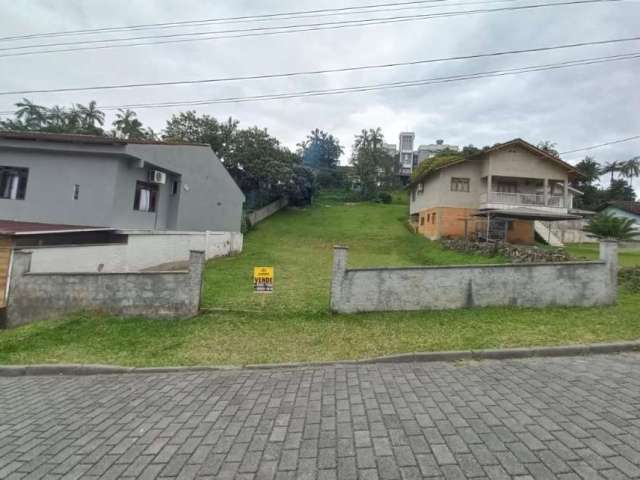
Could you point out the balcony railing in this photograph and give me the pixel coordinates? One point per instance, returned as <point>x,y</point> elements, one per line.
<point>527,199</point>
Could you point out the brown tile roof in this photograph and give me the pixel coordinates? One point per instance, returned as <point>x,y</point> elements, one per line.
<point>631,207</point>
<point>84,139</point>
<point>12,227</point>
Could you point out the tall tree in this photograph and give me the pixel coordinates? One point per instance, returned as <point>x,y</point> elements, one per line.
<point>91,117</point>
<point>592,197</point>
<point>612,167</point>
<point>320,150</point>
<point>631,168</point>
<point>127,125</point>
<point>548,147</point>
<point>620,190</point>
<point>30,114</point>
<point>189,127</point>
<point>372,163</point>
<point>590,170</point>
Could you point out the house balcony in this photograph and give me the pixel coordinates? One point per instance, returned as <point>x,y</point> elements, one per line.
<point>522,200</point>
<point>525,193</point>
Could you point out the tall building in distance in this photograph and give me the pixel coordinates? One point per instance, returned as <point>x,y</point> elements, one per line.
<point>409,157</point>
<point>406,153</point>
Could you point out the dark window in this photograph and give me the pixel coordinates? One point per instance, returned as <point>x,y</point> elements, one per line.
<point>13,182</point>
<point>421,220</point>
<point>428,217</point>
<point>76,191</point>
<point>459,184</point>
<point>146,197</point>
<point>174,187</point>
<point>433,218</point>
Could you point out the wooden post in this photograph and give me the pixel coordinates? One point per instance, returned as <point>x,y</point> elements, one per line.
<point>488,226</point>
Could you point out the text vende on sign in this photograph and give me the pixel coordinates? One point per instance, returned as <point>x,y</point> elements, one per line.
<point>263,279</point>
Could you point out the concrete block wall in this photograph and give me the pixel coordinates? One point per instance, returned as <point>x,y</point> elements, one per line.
<point>39,296</point>
<point>422,288</point>
<point>265,212</point>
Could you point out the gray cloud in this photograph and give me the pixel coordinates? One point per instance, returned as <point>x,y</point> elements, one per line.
<point>573,107</point>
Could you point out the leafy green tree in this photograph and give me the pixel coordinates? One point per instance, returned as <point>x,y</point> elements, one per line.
<point>631,169</point>
<point>91,118</point>
<point>127,126</point>
<point>548,147</point>
<point>590,171</point>
<point>620,190</point>
<point>373,165</point>
<point>189,127</point>
<point>606,225</point>
<point>31,115</point>
<point>587,182</point>
<point>612,167</point>
<point>320,150</point>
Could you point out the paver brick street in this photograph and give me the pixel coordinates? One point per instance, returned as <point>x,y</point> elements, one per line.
<point>538,418</point>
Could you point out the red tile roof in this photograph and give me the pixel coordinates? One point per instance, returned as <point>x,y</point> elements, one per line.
<point>84,139</point>
<point>631,207</point>
<point>11,227</point>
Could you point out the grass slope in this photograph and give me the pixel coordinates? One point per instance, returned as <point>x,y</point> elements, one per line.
<point>293,324</point>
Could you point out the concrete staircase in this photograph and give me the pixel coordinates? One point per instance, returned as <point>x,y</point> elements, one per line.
<point>543,231</point>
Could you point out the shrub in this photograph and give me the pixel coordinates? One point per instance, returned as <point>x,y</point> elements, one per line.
<point>629,279</point>
<point>384,197</point>
<point>606,225</point>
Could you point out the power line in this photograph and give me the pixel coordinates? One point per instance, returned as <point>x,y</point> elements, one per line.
<point>210,20</point>
<point>380,86</point>
<point>321,71</point>
<point>274,30</point>
<point>384,7</point>
<point>613,142</point>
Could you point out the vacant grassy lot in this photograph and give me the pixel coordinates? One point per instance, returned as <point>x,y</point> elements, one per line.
<point>293,323</point>
<point>627,256</point>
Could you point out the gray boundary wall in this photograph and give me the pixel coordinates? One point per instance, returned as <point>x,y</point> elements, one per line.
<point>265,212</point>
<point>38,296</point>
<point>424,288</point>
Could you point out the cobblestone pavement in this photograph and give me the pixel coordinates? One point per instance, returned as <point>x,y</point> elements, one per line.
<point>538,418</point>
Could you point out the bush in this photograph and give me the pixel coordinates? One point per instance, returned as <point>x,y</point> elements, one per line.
<point>606,225</point>
<point>629,279</point>
<point>384,197</point>
<point>332,179</point>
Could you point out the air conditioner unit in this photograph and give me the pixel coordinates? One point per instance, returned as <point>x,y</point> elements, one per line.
<point>156,176</point>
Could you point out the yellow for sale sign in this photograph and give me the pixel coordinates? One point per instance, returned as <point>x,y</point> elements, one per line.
<point>263,279</point>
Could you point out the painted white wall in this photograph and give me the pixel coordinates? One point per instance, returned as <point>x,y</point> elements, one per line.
<point>617,212</point>
<point>143,250</point>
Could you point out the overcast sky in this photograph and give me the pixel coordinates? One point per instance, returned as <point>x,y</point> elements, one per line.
<point>573,107</point>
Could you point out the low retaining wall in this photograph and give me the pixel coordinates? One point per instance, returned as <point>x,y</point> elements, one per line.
<point>259,215</point>
<point>142,250</point>
<point>38,296</point>
<point>423,288</point>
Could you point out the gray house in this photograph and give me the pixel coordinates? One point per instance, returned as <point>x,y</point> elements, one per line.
<point>122,184</point>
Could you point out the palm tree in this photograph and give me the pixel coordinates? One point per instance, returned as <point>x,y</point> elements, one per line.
<point>631,168</point>
<point>127,125</point>
<point>606,225</point>
<point>56,118</point>
<point>32,115</point>
<point>612,167</point>
<point>590,170</point>
<point>91,116</point>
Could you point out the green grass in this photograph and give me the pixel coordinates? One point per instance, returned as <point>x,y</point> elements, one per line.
<point>299,245</point>
<point>293,324</point>
<point>627,256</point>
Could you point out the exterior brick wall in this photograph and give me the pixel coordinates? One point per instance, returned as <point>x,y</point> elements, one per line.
<point>521,231</point>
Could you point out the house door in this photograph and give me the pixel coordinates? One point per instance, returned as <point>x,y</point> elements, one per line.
<point>5,256</point>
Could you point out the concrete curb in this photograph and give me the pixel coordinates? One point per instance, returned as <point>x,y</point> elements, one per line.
<point>449,356</point>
